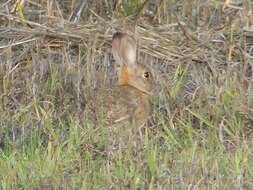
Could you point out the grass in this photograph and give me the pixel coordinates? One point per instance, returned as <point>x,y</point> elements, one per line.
<point>199,135</point>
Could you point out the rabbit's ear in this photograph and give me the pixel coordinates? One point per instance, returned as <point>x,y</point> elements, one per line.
<point>124,49</point>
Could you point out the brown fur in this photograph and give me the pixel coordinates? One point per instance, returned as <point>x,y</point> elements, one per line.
<point>123,76</point>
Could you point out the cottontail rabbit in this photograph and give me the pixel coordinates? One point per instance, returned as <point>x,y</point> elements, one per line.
<point>127,102</point>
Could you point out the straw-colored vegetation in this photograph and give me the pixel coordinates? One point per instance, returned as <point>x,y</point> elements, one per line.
<point>200,132</point>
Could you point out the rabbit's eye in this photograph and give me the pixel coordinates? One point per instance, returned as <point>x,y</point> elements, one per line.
<point>146,75</point>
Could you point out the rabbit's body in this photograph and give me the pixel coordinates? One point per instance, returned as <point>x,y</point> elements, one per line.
<point>116,106</point>
<point>126,103</point>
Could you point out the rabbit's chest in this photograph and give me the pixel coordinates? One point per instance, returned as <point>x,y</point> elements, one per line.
<point>141,112</point>
<point>133,103</point>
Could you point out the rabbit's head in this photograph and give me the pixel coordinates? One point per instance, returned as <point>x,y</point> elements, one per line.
<point>130,73</point>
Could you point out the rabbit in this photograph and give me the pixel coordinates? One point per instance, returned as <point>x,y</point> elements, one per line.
<point>126,103</point>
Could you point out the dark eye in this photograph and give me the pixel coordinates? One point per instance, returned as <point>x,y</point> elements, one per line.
<point>146,75</point>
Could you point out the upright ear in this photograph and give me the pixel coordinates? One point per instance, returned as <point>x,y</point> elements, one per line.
<point>124,49</point>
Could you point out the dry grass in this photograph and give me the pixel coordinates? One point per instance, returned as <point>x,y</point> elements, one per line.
<point>200,131</point>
